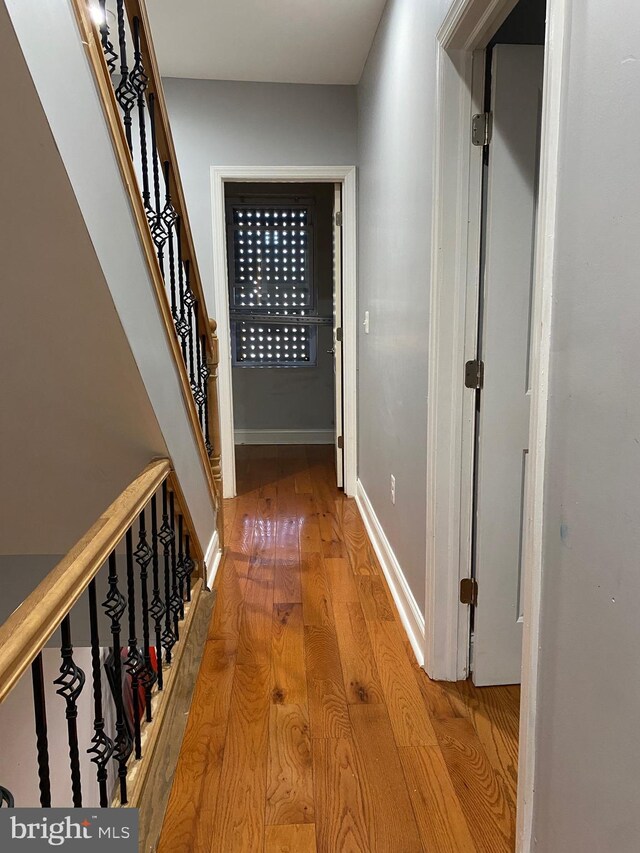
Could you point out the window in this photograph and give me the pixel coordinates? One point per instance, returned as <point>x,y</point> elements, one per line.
<point>271,278</point>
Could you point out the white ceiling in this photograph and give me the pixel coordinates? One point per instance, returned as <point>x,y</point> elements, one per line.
<point>280,41</point>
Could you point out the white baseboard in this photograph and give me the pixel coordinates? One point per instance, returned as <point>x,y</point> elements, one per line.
<point>412,618</point>
<point>284,436</point>
<point>212,559</point>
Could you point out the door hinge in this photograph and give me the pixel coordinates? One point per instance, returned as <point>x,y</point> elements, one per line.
<point>481,129</point>
<point>339,333</point>
<point>340,442</point>
<point>474,374</point>
<point>338,218</point>
<point>469,591</point>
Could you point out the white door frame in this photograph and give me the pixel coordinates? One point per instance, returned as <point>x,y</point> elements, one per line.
<point>467,28</point>
<point>345,175</point>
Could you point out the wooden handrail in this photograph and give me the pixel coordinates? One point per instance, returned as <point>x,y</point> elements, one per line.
<point>28,629</point>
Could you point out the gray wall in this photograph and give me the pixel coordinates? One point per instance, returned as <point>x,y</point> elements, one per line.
<point>93,385</point>
<point>395,158</point>
<point>293,398</point>
<point>220,123</point>
<point>587,789</point>
<point>76,422</point>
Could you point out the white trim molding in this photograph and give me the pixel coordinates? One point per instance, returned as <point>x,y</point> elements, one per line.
<point>470,24</point>
<point>450,413</point>
<point>410,614</point>
<point>212,558</point>
<point>285,436</point>
<point>552,97</point>
<point>345,175</point>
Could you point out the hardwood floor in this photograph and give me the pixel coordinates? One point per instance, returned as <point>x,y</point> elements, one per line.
<point>312,728</point>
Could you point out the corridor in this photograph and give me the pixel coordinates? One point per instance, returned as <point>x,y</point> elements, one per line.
<point>312,728</point>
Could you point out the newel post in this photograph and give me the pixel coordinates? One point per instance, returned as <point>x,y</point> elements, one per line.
<point>213,415</point>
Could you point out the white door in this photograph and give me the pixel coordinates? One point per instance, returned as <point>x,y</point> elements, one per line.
<point>503,425</point>
<point>337,329</point>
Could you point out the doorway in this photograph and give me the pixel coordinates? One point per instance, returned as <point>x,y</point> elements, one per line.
<point>285,301</point>
<point>320,328</point>
<point>456,342</point>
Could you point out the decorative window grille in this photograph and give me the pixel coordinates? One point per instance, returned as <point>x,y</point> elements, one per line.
<point>271,276</point>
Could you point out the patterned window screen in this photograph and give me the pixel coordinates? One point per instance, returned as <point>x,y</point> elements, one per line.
<point>271,275</point>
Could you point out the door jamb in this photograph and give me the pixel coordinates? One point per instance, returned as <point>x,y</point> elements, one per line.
<point>345,175</point>
<point>467,28</point>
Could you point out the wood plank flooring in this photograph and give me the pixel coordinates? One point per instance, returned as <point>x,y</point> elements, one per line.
<point>312,728</point>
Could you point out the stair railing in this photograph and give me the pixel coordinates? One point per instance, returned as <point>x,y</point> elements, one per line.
<point>118,42</point>
<point>141,607</point>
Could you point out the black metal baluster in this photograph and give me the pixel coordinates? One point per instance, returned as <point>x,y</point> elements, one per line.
<point>6,798</point>
<point>189,565</point>
<point>140,82</point>
<point>156,222</point>
<point>169,213</point>
<point>143,555</point>
<point>110,55</point>
<point>190,304</point>
<point>114,606</point>
<point>157,608</point>
<point>138,76</point>
<point>125,91</point>
<point>165,535</point>
<point>102,747</point>
<point>193,332</point>
<point>182,326</point>
<point>134,664</point>
<point>170,216</point>
<point>198,394</point>
<point>70,683</point>
<point>181,572</point>
<point>144,157</point>
<point>42,741</point>
<point>204,376</point>
<point>175,595</point>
